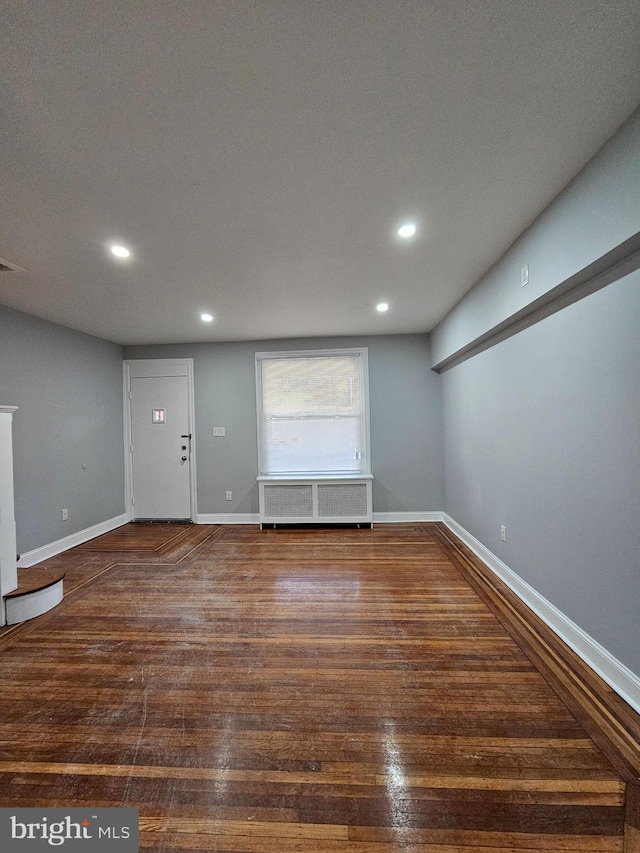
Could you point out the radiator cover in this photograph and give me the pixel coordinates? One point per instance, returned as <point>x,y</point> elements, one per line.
<point>320,500</point>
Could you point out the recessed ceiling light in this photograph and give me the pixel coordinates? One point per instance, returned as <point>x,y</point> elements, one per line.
<point>206,317</point>
<point>382,307</point>
<point>119,251</point>
<point>407,230</point>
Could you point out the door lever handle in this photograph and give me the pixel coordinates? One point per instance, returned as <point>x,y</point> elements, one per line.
<point>184,447</point>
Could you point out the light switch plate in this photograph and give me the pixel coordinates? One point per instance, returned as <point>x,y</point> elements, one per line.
<point>218,431</point>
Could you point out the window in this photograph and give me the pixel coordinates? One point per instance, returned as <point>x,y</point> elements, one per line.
<point>313,412</point>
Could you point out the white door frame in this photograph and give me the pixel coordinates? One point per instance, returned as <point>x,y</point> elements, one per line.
<point>153,367</point>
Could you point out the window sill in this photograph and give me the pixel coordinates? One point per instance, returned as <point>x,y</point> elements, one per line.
<point>311,478</point>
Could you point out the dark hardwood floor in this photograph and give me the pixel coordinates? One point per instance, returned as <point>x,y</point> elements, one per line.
<point>315,690</point>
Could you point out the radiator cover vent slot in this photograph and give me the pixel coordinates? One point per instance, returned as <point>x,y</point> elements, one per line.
<point>288,501</point>
<point>342,500</point>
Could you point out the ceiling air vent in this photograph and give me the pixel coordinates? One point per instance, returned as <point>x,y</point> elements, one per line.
<point>7,266</point>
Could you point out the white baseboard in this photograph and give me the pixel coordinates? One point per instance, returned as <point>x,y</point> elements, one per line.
<point>403,517</point>
<point>619,677</point>
<point>30,558</point>
<point>228,518</point>
<point>378,517</point>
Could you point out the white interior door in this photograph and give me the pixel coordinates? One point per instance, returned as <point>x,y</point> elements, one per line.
<point>160,448</point>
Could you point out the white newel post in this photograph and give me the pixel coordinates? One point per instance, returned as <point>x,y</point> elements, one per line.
<point>8,567</point>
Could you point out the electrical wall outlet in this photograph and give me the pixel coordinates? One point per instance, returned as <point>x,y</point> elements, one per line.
<point>524,275</point>
<point>228,496</point>
<point>65,515</point>
<point>218,431</point>
<point>503,533</point>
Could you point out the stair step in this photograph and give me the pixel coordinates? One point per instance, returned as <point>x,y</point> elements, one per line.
<point>38,590</point>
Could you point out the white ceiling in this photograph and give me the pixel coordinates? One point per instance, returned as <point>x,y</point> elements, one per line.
<point>257,156</point>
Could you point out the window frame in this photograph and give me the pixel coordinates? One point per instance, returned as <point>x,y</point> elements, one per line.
<point>363,360</point>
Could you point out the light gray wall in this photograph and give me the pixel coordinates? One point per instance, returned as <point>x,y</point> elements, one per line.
<point>68,387</point>
<point>541,430</point>
<point>596,212</point>
<point>542,434</point>
<point>406,424</point>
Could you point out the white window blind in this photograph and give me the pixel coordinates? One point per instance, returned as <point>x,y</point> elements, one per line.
<point>312,412</point>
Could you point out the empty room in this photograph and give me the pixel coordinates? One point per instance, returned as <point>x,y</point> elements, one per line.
<point>320,425</point>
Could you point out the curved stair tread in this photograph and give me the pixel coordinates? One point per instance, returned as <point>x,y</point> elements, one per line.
<point>35,579</point>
